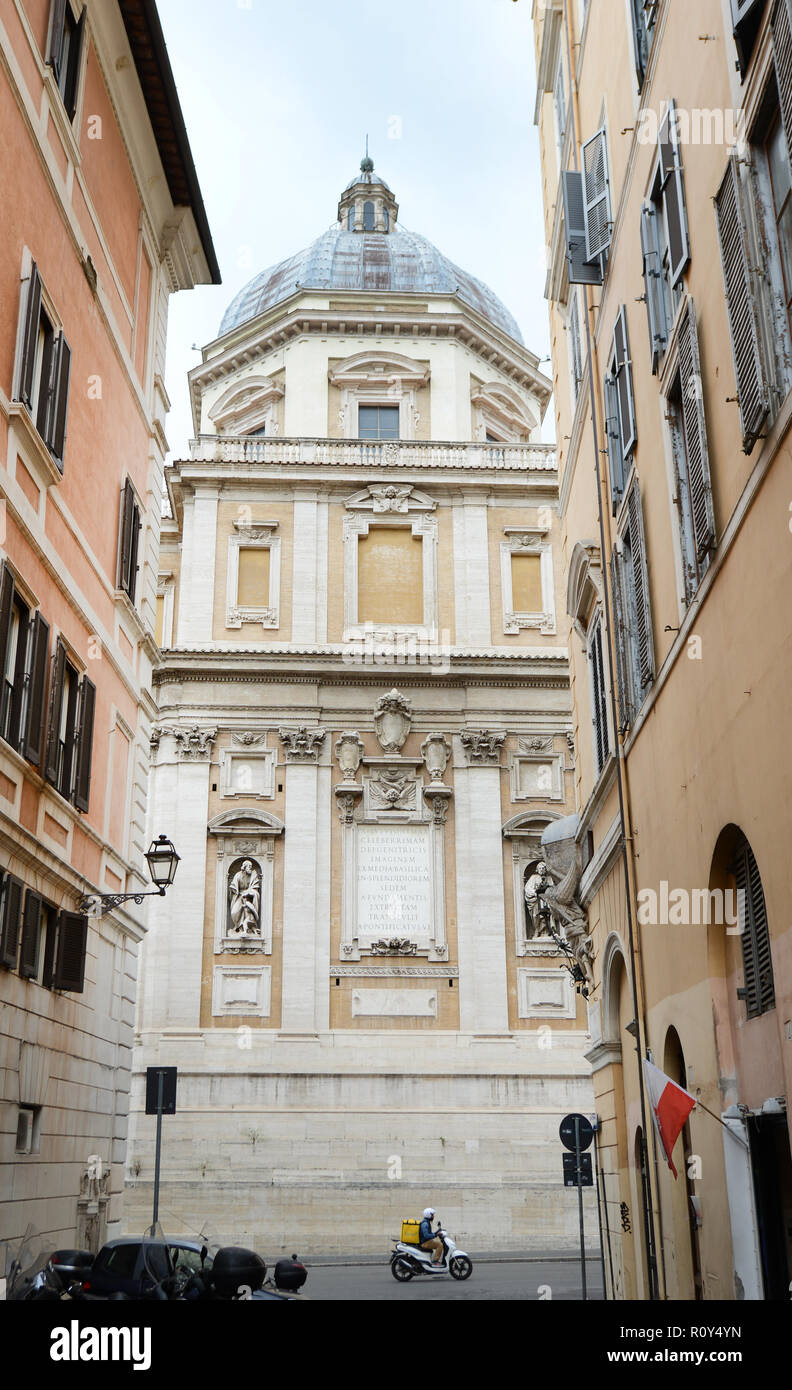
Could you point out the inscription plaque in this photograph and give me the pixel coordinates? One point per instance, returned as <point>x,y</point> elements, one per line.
<point>394,881</point>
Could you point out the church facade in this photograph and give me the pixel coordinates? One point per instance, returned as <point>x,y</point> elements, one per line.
<point>363,732</point>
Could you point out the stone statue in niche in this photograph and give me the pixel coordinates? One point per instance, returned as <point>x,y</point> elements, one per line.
<point>537,881</point>
<point>244,895</point>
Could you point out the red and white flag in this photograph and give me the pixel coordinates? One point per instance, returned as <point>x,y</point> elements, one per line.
<point>671,1106</point>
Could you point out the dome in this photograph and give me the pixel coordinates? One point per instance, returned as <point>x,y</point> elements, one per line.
<point>384,257</point>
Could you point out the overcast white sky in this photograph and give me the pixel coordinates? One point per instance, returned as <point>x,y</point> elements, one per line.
<point>278,96</point>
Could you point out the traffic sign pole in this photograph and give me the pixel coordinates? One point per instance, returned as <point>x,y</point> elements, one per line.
<point>580,1207</point>
<point>160,1089</point>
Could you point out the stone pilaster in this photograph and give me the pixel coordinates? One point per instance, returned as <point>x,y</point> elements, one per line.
<point>471,576</point>
<point>197,588</point>
<point>483,993</point>
<point>306,903</point>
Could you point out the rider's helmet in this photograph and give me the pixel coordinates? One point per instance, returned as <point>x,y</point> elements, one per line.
<point>429,1213</point>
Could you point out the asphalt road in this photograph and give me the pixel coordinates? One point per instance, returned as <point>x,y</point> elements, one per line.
<point>512,1279</point>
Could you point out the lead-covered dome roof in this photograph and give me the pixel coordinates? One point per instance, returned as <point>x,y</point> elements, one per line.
<point>367,250</point>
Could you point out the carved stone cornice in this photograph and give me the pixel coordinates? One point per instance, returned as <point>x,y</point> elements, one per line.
<point>192,744</point>
<point>482,748</point>
<point>302,745</point>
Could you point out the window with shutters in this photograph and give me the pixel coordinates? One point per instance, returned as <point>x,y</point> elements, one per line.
<point>598,690</point>
<point>754,219</point>
<point>560,106</point>
<point>692,488</point>
<point>64,52</point>
<point>70,725</point>
<point>665,238</point>
<point>620,424</point>
<point>128,541</point>
<point>30,948</point>
<point>632,610</point>
<point>588,225</point>
<point>574,345</point>
<point>24,637</point>
<point>746,21</point>
<point>643,14</point>
<point>70,953</point>
<point>44,368</point>
<point>11,892</point>
<point>758,988</point>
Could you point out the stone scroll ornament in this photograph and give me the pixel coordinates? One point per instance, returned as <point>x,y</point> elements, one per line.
<point>564,869</point>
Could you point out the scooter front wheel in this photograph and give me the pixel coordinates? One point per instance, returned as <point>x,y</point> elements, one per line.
<point>460,1267</point>
<point>401,1271</point>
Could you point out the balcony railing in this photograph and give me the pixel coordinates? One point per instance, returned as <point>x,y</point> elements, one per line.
<point>354,453</point>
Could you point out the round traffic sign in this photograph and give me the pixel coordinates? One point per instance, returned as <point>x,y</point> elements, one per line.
<point>566,1132</point>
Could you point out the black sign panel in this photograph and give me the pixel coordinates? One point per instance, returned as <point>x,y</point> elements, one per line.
<point>566,1132</point>
<point>571,1177</point>
<point>168,1075</point>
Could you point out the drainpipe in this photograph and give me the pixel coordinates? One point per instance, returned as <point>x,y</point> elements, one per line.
<point>625,817</point>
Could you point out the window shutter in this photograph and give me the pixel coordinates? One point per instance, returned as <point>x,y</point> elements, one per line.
<point>640,582</point>
<point>615,456</point>
<point>579,272</point>
<point>640,39</point>
<point>696,433</point>
<point>57,29</point>
<point>737,260</point>
<point>624,384</point>
<point>653,286</point>
<point>53,721</point>
<point>125,537</point>
<point>72,943</point>
<point>620,634</point>
<point>7,589</point>
<point>673,186</point>
<point>31,935</point>
<point>600,703</point>
<point>746,19</point>
<point>596,199</point>
<point>759,983</point>
<point>50,948</point>
<point>84,749</point>
<point>12,913</point>
<point>75,54</point>
<point>782,53</point>
<point>34,718</point>
<point>55,433</point>
<point>30,337</point>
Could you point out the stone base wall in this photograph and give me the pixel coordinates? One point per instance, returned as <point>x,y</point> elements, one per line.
<point>329,1157</point>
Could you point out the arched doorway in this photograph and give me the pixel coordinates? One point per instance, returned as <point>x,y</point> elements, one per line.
<point>684,1201</point>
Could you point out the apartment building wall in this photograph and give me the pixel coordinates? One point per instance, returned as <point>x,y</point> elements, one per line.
<point>698,633</point>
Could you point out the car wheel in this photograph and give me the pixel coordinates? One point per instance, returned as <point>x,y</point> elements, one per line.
<point>401,1271</point>
<point>460,1267</point>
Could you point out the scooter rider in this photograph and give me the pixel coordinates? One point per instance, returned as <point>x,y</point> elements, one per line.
<point>428,1240</point>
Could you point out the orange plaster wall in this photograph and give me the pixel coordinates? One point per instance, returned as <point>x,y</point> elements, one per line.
<point>38,13</point>
<point>109,178</point>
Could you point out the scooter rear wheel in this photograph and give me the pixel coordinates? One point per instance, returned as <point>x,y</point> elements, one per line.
<point>401,1271</point>
<point>460,1267</point>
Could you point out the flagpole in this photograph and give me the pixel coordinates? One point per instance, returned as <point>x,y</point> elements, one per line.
<point>701,1106</point>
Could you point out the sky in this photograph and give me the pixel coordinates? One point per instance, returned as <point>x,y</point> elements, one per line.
<point>278,97</point>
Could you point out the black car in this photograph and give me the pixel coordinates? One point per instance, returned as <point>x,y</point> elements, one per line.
<point>120,1266</point>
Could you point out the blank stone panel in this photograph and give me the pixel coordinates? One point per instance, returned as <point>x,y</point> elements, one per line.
<point>390,576</point>
<point>254,578</point>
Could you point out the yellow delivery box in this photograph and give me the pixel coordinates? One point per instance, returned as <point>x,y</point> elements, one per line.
<point>410,1232</point>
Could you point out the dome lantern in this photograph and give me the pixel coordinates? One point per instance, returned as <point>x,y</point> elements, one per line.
<point>367,203</point>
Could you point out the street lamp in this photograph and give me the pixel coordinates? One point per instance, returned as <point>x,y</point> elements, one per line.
<point>162,860</point>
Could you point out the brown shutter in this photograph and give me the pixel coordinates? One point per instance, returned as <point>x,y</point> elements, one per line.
<point>50,947</point>
<point>75,54</point>
<point>34,718</point>
<point>57,28</point>
<point>7,588</point>
<point>30,339</point>
<point>19,677</point>
<point>11,919</point>
<point>128,541</point>
<point>673,186</point>
<point>782,53</point>
<point>133,559</point>
<point>758,981</point>
<point>31,935</point>
<point>620,635</point>
<point>55,433</point>
<point>696,433</point>
<point>54,715</point>
<point>72,942</point>
<point>640,582</point>
<point>84,744</point>
<point>737,262</point>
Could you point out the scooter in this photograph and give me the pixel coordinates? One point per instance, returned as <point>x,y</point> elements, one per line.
<point>408,1260</point>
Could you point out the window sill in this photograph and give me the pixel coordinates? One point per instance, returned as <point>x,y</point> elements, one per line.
<point>46,471</point>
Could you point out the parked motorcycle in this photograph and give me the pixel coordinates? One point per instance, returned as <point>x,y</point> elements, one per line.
<point>408,1260</point>
<point>228,1273</point>
<point>27,1272</point>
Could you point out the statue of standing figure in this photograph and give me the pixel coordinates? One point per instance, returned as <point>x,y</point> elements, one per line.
<point>538,912</point>
<point>245,895</point>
